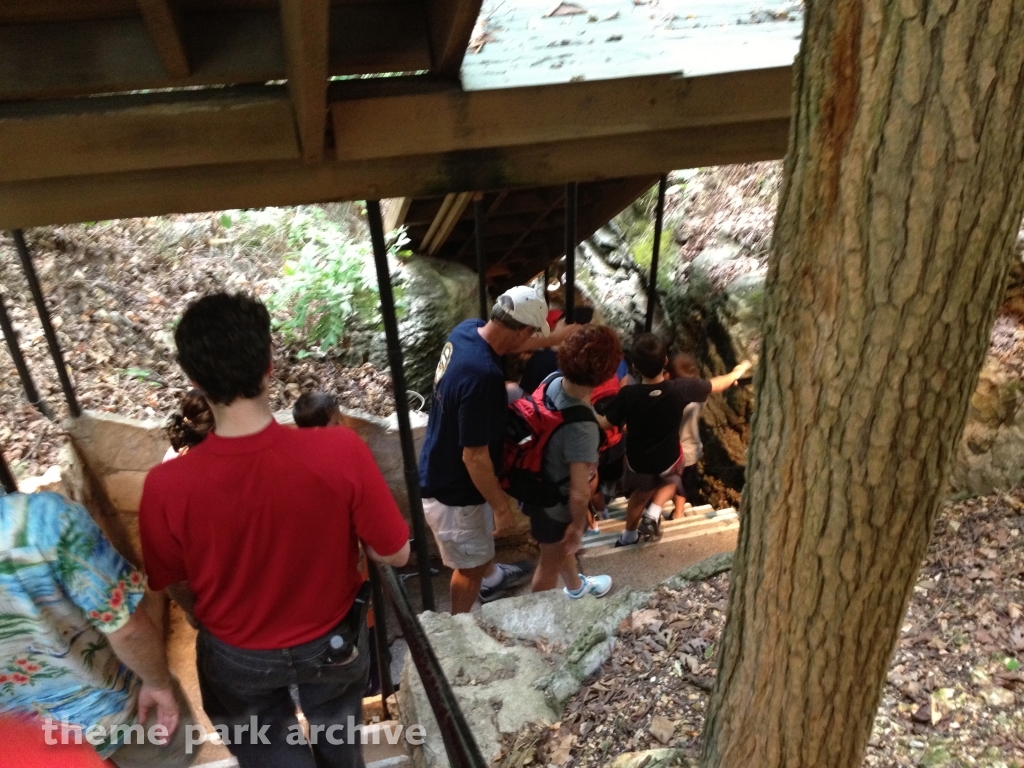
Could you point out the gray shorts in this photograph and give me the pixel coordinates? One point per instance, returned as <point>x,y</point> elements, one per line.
<point>464,535</point>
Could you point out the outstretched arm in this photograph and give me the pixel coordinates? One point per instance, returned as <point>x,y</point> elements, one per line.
<point>722,383</point>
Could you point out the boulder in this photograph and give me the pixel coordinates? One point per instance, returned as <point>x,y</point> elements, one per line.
<point>548,646</point>
<point>433,296</point>
<point>493,683</point>
<point>550,617</point>
<point>989,458</point>
<point>120,449</point>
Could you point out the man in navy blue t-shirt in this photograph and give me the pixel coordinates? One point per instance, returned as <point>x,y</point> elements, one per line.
<point>463,444</point>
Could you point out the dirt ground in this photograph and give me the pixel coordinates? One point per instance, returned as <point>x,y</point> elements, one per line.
<point>955,691</point>
<point>115,290</point>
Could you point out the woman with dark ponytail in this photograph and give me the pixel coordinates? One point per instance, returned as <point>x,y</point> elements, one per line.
<point>189,428</point>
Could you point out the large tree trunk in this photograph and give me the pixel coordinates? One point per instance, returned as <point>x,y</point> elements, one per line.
<point>904,192</point>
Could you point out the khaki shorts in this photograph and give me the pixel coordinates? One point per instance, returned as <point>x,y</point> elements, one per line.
<point>464,535</point>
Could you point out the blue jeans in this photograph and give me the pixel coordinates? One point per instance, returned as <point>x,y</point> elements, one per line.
<point>238,685</point>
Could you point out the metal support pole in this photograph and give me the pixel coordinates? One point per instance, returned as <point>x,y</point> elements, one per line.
<point>652,285</point>
<point>395,361</point>
<point>571,201</point>
<point>11,337</point>
<point>380,627</point>
<point>481,257</point>
<point>44,318</point>
<point>7,481</point>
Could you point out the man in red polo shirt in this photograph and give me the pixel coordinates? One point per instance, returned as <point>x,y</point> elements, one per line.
<point>256,533</point>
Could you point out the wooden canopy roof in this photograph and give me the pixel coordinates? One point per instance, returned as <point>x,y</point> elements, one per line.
<point>118,108</point>
<point>523,229</point>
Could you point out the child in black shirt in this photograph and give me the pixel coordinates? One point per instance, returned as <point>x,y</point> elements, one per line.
<point>652,413</point>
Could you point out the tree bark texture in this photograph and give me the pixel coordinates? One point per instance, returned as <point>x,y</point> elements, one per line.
<point>902,198</point>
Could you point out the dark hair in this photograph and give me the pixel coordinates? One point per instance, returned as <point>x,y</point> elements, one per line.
<point>684,365</point>
<point>190,427</point>
<point>501,314</point>
<point>589,355</point>
<point>314,409</point>
<point>224,345</point>
<point>648,355</point>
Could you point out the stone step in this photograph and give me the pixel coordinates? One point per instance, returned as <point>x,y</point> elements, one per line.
<point>725,520</point>
<point>694,513</point>
<point>669,528</point>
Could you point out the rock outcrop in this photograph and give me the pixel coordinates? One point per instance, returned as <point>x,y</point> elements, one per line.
<point>433,296</point>
<point>515,663</point>
<point>710,295</point>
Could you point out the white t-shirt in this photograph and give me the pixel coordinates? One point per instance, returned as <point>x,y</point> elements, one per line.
<point>689,433</point>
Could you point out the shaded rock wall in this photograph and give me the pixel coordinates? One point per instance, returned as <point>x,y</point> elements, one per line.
<point>435,296</point>
<point>719,327</point>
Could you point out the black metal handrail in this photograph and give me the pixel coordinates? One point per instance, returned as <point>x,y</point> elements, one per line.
<point>11,337</point>
<point>44,318</point>
<point>459,743</point>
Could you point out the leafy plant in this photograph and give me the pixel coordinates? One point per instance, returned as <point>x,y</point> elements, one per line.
<point>329,286</point>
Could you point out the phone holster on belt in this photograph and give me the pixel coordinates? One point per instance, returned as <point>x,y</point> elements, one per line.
<point>343,644</point>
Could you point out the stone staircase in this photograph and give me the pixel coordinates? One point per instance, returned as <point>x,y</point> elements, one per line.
<point>703,533</point>
<point>699,521</point>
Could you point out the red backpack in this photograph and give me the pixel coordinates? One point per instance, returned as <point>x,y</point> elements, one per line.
<point>532,420</point>
<point>603,394</point>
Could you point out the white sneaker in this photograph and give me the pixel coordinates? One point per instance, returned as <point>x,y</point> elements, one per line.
<point>597,586</point>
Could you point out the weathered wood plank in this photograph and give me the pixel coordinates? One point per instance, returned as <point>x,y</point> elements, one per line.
<point>305,24</point>
<point>453,120</point>
<point>161,21</point>
<point>395,211</point>
<point>116,55</point>
<point>450,23</point>
<point>218,187</point>
<point>444,223</point>
<point>200,132</point>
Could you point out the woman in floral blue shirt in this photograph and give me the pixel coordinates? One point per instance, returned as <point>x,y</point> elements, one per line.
<point>68,620</point>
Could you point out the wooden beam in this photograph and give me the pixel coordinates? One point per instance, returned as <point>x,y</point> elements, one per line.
<point>304,24</point>
<point>443,225</point>
<point>611,199</point>
<point>102,136</point>
<point>456,120</point>
<point>229,46</point>
<point>395,211</point>
<point>162,22</point>
<point>450,23</point>
<point>251,185</point>
<point>91,135</point>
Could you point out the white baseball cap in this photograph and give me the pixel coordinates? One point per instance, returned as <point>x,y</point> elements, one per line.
<point>527,307</point>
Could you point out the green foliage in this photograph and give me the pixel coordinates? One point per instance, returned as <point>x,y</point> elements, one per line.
<point>328,283</point>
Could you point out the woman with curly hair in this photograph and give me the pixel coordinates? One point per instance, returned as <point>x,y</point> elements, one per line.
<point>189,428</point>
<point>587,357</point>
